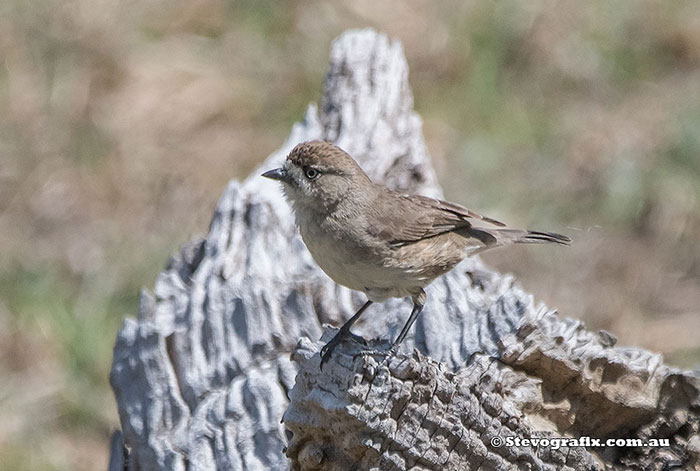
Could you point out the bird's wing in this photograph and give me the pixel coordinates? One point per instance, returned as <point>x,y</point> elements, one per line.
<point>413,218</point>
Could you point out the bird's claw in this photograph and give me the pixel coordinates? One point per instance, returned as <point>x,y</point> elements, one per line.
<point>327,349</point>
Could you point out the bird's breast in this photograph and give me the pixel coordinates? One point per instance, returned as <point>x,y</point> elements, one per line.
<point>346,254</point>
<point>335,252</point>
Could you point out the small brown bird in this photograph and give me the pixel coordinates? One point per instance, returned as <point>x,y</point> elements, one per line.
<point>378,241</point>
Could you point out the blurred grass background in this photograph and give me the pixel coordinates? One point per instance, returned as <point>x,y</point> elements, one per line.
<point>121,122</point>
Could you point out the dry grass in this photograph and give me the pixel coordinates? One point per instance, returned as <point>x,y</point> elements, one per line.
<point>122,122</point>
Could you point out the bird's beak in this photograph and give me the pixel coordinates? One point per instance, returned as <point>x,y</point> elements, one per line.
<point>276,174</point>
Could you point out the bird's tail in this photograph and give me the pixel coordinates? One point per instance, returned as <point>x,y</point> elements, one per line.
<point>501,237</point>
<point>518,236</point>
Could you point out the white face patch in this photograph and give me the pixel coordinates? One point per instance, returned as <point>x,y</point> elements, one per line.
<point>299,189</point>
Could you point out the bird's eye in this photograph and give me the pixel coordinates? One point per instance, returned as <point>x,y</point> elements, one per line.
<point>311,173</point>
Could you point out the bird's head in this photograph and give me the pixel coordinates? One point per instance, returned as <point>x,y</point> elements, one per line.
<point>319,175</point>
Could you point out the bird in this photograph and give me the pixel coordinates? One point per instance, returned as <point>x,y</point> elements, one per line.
<point>376,240</point>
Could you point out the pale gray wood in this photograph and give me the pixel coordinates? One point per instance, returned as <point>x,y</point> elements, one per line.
<point>411,412</point>
<point>203,374</point>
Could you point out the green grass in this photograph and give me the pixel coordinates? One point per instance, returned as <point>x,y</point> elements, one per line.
<point>77,318</point>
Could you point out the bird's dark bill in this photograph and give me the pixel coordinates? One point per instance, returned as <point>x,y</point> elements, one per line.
<point>276,174</point>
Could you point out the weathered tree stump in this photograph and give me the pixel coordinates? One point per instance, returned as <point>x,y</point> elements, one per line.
<point>203,376</point>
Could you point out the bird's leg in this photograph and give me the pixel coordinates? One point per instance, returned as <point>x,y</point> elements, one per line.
<point>327,349</point>
<point>418,302</point>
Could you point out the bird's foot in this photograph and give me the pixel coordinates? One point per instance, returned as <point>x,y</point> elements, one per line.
<point>327,349</point>
<point>385,354</point>
<point>357,338</point>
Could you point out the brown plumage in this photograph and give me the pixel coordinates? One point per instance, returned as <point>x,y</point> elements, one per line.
<point>376,240</point>
<point>413,218</point>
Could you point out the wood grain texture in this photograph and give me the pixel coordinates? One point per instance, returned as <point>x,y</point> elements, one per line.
<point>203,375</point>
